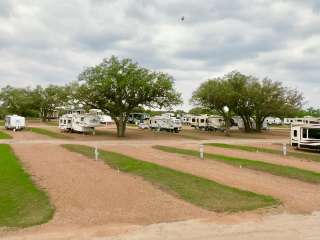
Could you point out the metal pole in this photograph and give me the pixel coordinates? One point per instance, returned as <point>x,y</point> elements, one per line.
<point>201,149</point>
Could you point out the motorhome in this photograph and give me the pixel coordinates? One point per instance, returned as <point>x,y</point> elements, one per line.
<point>305,136</point>
<point>79,121</point>
<point>165,123</point>
<point>15,122</point>
<point>104,119</point>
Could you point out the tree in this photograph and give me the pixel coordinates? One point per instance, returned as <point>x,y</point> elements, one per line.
<point>272,99</point>
<point>201,111</point>
<point>46,100</point>
<point>241,89</point>
<point>119,86</point>
<point>17,101</point>
<point>249,98</point>
<point>215,94</point>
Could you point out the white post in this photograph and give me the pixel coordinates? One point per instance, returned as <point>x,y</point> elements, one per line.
<point>201,151</point>
<point>96,153</point>
<point>284,149</point>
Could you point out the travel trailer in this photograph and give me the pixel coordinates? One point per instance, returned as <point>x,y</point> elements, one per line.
<point>15,122</point>
<point>136,118</point>
<point>209,123</point>
<point>166,123</point>
<point>104,119</point>
<point>79,121</point>
<point>186,119</point>
<point>273,121</point>
<point>215,123</point>
<point>239,122</point>
<point>305,136</point>
<point>194,121</point>
<point>304,120</point>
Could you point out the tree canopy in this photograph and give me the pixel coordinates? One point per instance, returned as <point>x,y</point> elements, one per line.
<point>119,86</point>
<point>28,102</point>
<point>248,97</point>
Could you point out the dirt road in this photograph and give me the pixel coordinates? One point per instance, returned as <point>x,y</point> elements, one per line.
<point>88,193</point>
<point>297,196</point>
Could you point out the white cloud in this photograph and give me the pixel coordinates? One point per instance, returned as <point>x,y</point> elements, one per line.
<point>50,42</point>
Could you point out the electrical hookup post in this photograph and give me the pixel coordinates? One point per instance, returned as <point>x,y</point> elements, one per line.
<point>96,153</point>
<point>284,149</point>
<point>201,150</point>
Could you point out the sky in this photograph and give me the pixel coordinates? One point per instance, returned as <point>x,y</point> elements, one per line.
<point>51,41</point>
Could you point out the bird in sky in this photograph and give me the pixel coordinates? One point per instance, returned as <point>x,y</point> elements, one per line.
<point>182,19</point>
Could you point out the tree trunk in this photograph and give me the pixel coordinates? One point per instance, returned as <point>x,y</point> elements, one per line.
<point>259,123</point>
<point>227,124</point>
<point>247,124</point>
<point>121,127</point>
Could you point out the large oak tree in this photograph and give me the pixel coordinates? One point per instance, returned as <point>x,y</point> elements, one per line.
<point>118,86</point>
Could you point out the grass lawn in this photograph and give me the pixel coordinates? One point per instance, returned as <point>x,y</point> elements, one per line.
<point>304,155</point>
<point>196,190</point>
<point>49,133</point>
<point>1,123</point>
<point>22,203</point>
<point>279,170</point>
<point>4,135</point>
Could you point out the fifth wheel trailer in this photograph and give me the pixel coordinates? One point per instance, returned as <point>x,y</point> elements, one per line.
<point>305,136</point>
<point>15,122</point>
<point>79,122</point>
<point>166,123</point>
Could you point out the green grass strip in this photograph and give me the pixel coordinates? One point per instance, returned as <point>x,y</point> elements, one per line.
<point>196,190</point>
<point>4,135</point>
<point>22,203</point>
<point>49,133</point>
<point>279,170</point>
<point>308,156</point>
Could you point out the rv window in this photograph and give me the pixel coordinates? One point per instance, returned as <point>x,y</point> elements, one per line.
<point>295,133</point>
<point>69,121</point>
<point>305,133</point>
<point>314,133</point>
<point>82,119</point>
<point>64,121</point>
<point>61,121</point>
<point>202,120</point>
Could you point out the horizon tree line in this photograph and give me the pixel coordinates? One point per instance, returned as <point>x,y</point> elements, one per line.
<point>120,86</point>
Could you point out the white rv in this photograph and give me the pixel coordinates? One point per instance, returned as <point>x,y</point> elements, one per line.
<point>239,122</point>
<point>15,122</point>
<point>104,119</point>
<point>165,123</point>
<point>273,121</point>
<point>304,120</point>
<point>186,119</point>
<point>78,121</point>
<point>208,123</point>
<point>305,136</point>
<point>215,123</point>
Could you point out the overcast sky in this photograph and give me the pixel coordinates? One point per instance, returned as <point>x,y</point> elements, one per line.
<point>51,41</point>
